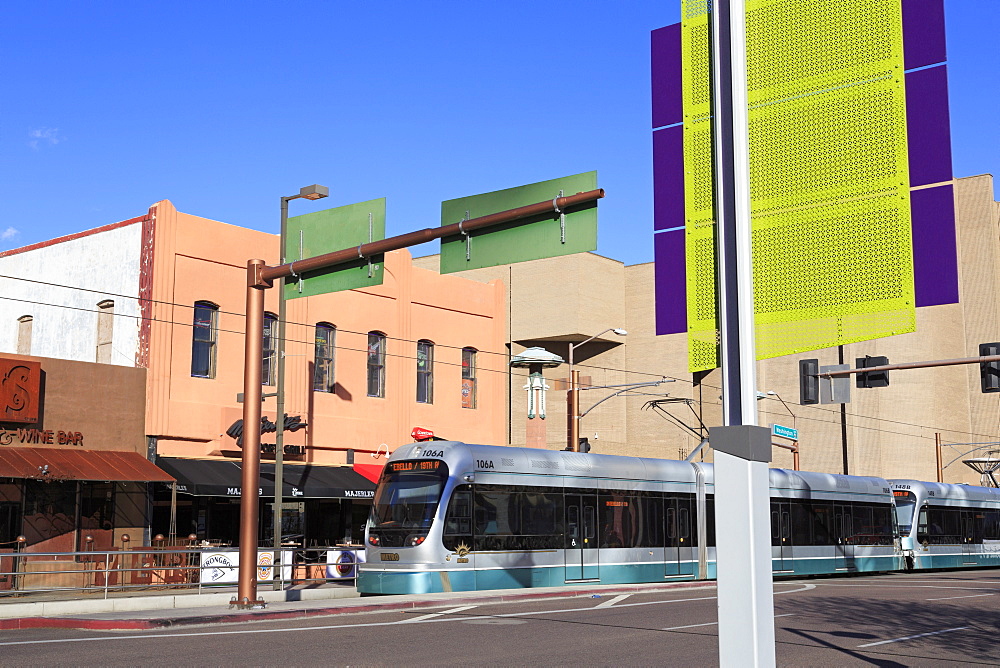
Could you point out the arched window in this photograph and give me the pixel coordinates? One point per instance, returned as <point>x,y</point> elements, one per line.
<point>203,339</point>
<point>425,372</point>
<point>269,368</point>
<point>376,364</point>
<point>323,380</point>
<point>468,377</point>
<point>24,334</point>
<point>105,330</point>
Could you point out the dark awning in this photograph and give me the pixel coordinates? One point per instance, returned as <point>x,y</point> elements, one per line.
<point>204,477</point>
<point>65,464</point>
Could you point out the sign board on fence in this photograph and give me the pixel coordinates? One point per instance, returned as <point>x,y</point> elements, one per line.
<point>223,566</point>
<point>343,564</point>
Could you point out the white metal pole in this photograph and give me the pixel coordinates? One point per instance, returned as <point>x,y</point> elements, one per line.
<point>742,499</point>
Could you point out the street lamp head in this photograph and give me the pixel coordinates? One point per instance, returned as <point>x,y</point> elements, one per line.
<point>619,331</point>
<point>314,192</point>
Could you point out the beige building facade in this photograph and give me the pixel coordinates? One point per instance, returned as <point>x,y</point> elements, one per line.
<point>889,432</point>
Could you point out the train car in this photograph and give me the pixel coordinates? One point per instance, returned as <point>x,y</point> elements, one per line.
<point>448,516</point>
<point>947,526</point>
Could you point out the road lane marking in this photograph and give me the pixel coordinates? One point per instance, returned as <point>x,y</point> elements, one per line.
<point>149,636</point>
<point>919,635</point>
<point>691,626</point>
<point>950,598</point>
<point>438,614</point>
<point>616,599</point>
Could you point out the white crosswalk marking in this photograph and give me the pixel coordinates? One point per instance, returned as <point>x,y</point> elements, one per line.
<point>432,615</point>
<point>611,602</point>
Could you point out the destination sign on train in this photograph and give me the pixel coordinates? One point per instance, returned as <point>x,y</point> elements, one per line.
<point>429,465</point>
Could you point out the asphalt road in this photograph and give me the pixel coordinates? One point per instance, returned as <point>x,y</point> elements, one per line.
<point>923,619</point>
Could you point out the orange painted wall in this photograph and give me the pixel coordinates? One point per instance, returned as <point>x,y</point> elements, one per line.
<point>196,259</point>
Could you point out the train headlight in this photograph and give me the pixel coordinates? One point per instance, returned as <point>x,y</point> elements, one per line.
<point>416,540</point>
<point>373,539</point>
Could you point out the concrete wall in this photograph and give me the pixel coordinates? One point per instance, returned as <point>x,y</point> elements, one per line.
<point>197,259</point>
<point>886,432</point>
<point>96,265</point>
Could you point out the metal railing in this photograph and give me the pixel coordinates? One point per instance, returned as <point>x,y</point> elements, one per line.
<point>158,568</point>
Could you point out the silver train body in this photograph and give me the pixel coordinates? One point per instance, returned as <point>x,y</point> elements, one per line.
<point>450,516</point>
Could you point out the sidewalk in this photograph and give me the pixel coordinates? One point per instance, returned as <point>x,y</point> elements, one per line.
<point>173,610</point>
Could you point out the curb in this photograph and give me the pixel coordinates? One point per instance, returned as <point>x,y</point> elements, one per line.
<point>265,615</point>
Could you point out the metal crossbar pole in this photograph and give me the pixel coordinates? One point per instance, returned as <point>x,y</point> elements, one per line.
<point>913,365</point>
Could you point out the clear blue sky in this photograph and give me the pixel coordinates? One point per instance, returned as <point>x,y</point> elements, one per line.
<point>222,107</point>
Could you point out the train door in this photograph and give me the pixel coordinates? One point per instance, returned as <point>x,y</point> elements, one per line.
<point>781,535</point>
<point>678,532</point>
<point>581,537</point>
<point>844,526</point>
<point>968,537</point>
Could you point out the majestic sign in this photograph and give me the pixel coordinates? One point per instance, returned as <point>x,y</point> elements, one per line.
<point>20,390</point>
<point>292,423</point>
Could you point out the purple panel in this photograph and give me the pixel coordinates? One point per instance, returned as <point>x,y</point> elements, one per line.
<point>668,178</point>
<point>671,287</point>
<point>665,68</point>
<point>923,33</point>
<point>935,256</point>
<point>928,126</point>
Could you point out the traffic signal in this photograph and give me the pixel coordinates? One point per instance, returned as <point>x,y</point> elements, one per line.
<point>872,378</point>
<point>808,382</point>
<point>989,372</point>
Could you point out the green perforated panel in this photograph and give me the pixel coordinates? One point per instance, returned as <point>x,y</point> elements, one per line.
<point>828,175</point>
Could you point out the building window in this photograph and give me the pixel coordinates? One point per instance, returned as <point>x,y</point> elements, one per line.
<point>203,339</point>
<point>376,364</point>
<point>24,335</point>
<point>468,377</point>
<point>425,372</point>
<point>105,329</point>
<point>269,368</point>
<point>323,369</point>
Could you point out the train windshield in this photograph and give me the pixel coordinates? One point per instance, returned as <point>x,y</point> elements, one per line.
<point>408,494</point>
<point>905,503</point>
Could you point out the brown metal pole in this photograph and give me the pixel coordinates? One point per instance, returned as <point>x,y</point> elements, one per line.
<point>913,365</point>
<point>937,451</point>
<point>254,347</point>
<point>573,410</point>
<point>795,457</point>
<point>429,234</point>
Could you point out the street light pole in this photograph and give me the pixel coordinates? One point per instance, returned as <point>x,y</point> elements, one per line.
<point>573,396</point>
<point>308,192</point>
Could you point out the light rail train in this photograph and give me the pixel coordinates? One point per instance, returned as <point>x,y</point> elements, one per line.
<point>449,516</point>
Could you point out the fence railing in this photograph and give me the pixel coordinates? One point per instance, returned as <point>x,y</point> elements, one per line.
<point>194,567</point>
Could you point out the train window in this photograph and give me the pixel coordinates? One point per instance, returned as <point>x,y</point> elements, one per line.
<point>823,523</point>
<point>922,530</point>
<point>684,523</point>
<point>905,505</point>
<point>651,520</point>
<point>620,519</point>
<point>710,519</point>
<point>458,521</point>
<point>572,525</point>
<point>801,522</point>
<point>863,532</point>
<point>775,528</point>
<point>671,517</point>
<point>589,524</point>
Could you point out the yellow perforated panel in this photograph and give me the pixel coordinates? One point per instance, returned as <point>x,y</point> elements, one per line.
<point>828,175</point>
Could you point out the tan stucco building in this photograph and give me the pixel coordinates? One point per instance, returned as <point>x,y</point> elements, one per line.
<point>886,432</point>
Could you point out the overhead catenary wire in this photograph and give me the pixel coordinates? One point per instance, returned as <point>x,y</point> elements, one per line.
<point>484,369</point>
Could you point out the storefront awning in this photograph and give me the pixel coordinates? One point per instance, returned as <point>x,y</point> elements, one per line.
<point>65,464</point>
<point>203,477</point>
